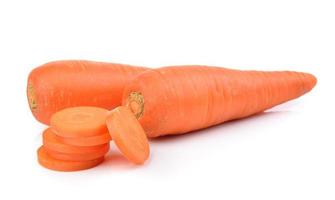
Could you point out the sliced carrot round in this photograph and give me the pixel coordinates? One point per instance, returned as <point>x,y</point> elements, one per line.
<point>87,141</point>
<point>52,142</point>
<point>60,165</point>
<point>75,156</point>
<point>128,135</point>
<point>80,121</point>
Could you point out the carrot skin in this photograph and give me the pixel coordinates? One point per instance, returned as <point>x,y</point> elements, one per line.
<point>62,84</point>
<point>180,99</point>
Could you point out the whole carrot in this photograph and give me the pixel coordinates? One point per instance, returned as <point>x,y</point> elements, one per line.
<point>62,84</point>
<point>180,99</point>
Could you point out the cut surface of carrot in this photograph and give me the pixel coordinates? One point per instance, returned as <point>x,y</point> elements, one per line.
<point>60,165</point>
<point>128,135</point>
<point>87,141</point>
<point>75,156</point>
<point>52,142</point>
<point>80,121</point>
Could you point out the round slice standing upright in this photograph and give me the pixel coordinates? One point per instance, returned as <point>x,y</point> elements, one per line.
<point>128,135</point>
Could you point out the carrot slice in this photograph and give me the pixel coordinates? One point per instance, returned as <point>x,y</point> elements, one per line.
<point>60,165</point>
<point>80,121</point>
<point>75,156</point>
<point>87,141</point>
<point>52,142</point>
<point>128,135</point>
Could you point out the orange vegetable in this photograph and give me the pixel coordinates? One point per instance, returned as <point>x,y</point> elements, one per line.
<point>79,122</point>
<point>62,84</point>
<point>51,141</point>
<point>60,165</point>
<point>87,141</point>
<point>128,135</point>
<point>76,156</point>
<point>180,99</point>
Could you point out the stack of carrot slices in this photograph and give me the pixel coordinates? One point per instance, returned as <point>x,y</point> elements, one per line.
<point>77,139</point>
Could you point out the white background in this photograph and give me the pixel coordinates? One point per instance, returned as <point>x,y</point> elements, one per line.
<point>286,153</point>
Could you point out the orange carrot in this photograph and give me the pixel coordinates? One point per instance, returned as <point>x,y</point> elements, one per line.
<point>76,156</point>
<point>51,141</point>
<point>180,99</point>
<point>87,141</point>
<point>128,135</point>
<point>62,84</point>
<point>60,165</point>
<point>79,121</point>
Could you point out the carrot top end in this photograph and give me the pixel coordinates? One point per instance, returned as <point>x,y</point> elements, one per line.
<point>135,102</point>
<point>31,97</point>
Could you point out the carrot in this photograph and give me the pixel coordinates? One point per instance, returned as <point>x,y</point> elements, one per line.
<point>51,141</point>
<point>60,165</point>
<point>62,84</point>
<point>180,99</point>
<point>76,156</point>
<point>79,121</point>
<point>87,141</point>
<point>128,135</point>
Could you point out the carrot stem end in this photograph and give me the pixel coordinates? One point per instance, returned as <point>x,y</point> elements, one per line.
<point>32,97</point>
<point>135,102</point>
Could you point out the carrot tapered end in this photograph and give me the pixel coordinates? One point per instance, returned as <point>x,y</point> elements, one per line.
<point>312,81</point>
